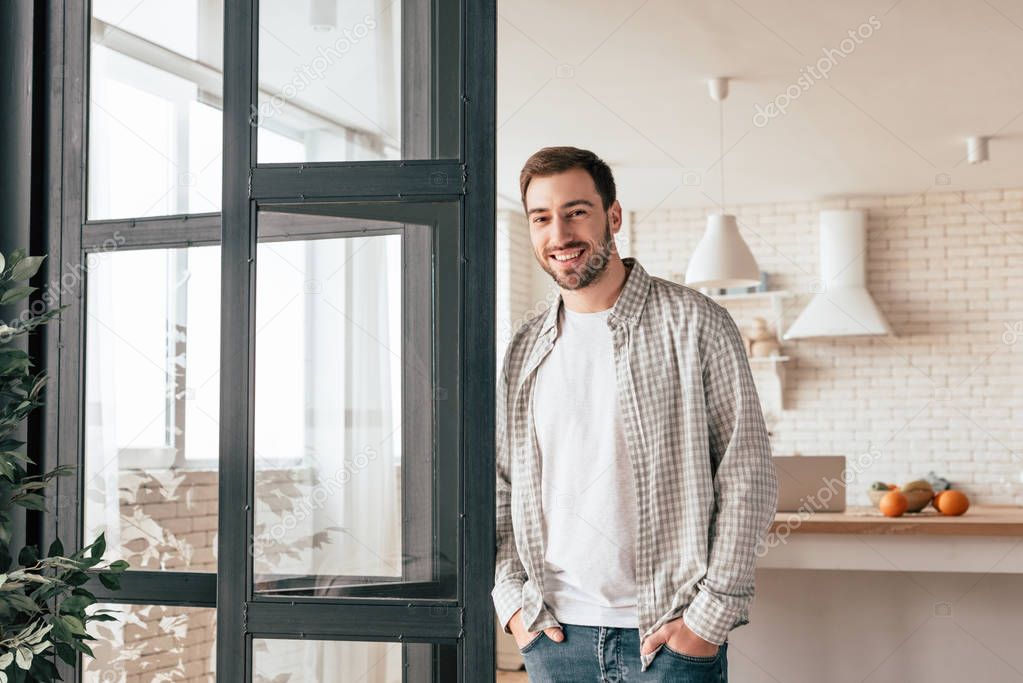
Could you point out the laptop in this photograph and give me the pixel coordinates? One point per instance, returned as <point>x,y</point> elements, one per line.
<point>810,483</point>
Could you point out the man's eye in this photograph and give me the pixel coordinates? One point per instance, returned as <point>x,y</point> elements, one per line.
<point>539,219</point>
<point>578,212</point>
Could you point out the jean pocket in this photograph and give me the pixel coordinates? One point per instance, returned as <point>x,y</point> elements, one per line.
<point>531,644</point>
<point>695,659</point>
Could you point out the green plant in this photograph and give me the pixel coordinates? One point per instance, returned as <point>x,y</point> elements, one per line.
<point>44,604</point>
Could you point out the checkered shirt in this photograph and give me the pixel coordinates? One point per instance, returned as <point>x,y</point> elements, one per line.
<point>706,487</point>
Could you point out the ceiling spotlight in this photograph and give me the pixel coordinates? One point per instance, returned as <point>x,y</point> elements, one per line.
<point>977,149</point>
<point>718,88</point>
<point>323,14</point>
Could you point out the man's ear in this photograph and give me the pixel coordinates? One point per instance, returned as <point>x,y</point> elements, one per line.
<point>614,216</point>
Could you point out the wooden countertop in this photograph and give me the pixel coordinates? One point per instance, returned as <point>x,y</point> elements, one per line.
<point>979,520</point>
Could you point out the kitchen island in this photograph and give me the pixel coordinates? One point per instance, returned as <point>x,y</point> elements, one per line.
<point>985,539</point>
<point>858,597</point>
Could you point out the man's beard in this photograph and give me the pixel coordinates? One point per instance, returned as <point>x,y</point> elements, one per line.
<point>591,269</point>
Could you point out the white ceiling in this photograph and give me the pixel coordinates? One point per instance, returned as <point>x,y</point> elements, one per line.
<point>627,79</point>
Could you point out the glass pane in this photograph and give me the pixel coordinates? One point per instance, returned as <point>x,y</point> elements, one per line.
<point>152,643</point>
<point>154,108</point>
<point>336,82</point>
<point>152,388</point>
<point>343,489</point>
<point>336,661</point>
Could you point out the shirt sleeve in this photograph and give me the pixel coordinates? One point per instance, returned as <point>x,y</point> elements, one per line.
<point>509,574</point>
<point>745,489</point>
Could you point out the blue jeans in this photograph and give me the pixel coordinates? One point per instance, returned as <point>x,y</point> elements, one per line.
<point>599,654</point>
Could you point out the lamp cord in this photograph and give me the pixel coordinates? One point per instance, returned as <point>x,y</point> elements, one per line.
<point>721,149</point>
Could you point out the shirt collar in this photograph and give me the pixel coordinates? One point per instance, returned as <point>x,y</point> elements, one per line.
<point>627,308</point>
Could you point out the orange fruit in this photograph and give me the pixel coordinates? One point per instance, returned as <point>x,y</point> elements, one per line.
<point>934,501</point>
<point>893,504</point>
<point>952,502</point>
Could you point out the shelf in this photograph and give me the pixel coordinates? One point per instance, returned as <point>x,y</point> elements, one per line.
<point>769,295</point>
<point>773,392</point>
<point>768,360</point>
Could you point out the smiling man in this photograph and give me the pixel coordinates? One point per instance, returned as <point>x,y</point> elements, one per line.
<point>634,471</point>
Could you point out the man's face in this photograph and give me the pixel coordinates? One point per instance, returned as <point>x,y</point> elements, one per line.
<point>572,235</point>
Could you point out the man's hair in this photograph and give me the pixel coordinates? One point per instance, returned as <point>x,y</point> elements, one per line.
<point>553,160</point>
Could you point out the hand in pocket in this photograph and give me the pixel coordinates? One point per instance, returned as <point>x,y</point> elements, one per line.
<point>524,637</point>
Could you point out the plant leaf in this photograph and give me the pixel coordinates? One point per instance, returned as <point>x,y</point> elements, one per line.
<point>28,556</point>
<point>102,617</point>
<point>67,653</point>
<point>77,578</point>
<point>16,294</point>
<point>74,624</point>
<point>76,603</point>
<point>26,268</point>
<point>31,501</point>
<point>111,581</point>
<point>99,546</point>
<point>22,602</point>
<point>38,635</point>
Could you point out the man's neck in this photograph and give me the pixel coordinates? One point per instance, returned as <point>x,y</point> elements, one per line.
<point>600,294</point>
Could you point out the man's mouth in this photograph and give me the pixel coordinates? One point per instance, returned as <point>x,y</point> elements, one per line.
<point>568,257</point>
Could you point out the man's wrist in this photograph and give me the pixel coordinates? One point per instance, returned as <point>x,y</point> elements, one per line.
<point>702,636</point>
<point>509,625</point>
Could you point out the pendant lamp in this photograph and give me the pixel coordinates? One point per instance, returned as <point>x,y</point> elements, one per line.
<point>722,258</point>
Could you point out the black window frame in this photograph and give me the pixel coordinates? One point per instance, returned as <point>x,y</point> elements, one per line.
<point>61,27</point>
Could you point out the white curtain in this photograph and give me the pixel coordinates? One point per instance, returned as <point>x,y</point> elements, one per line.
<point>102,468</point>
<point>354,370</point>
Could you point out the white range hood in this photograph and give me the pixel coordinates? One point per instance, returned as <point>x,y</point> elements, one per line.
<point>844,307</point>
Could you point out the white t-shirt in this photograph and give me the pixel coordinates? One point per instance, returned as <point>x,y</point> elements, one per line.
<point>588,494</point>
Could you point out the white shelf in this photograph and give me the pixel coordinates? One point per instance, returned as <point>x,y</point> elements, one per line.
<point>769,295</point>
<point>774,392</point>
<point>774,297</point>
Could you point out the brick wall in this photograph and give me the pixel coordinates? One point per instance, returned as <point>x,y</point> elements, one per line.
<point>523,289</point>
<point>153,643</point>
<point>169,522</point>
<point>946,393</point>
<point>169,519</point>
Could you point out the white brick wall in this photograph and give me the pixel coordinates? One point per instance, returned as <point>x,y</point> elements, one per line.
<point>523,288</point>
<point>946,393</point>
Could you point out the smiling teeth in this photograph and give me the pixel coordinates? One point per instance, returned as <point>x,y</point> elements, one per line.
<point>568,257</point>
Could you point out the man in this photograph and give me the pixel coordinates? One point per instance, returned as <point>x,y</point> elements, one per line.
<point>634,471</point>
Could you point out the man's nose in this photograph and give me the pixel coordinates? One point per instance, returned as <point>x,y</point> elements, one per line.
<point>561,232</point>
